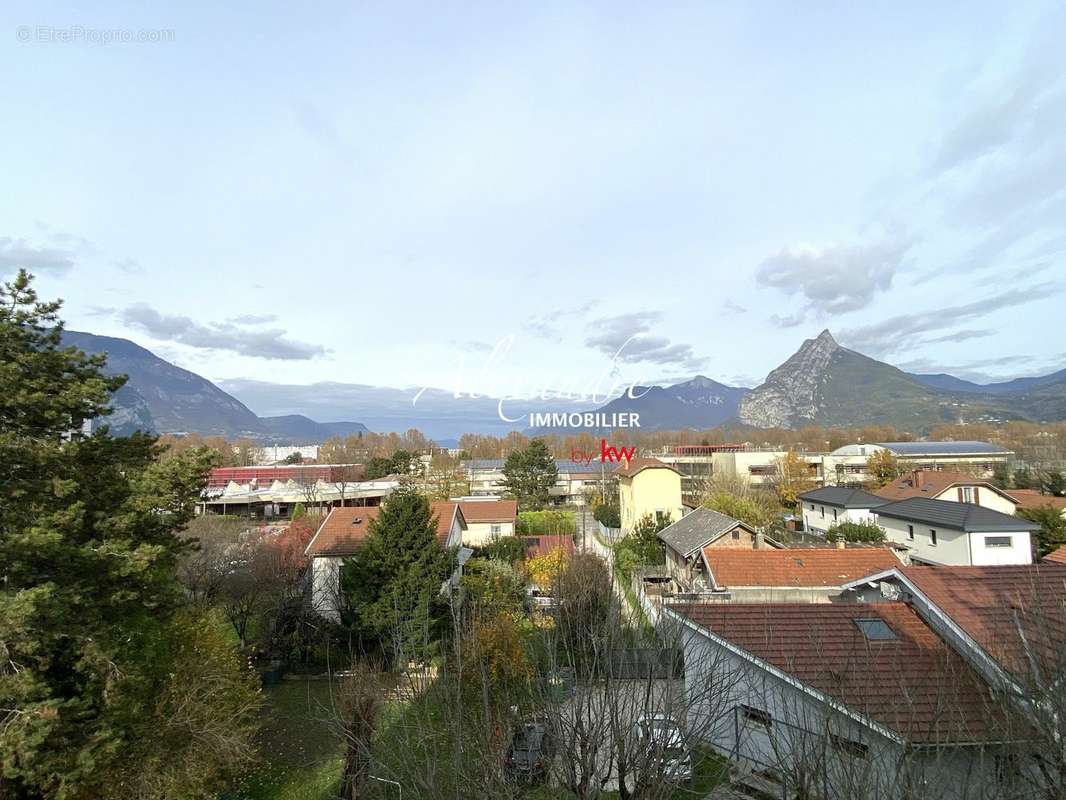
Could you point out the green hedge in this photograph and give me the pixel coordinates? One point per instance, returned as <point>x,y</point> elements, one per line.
<point>543,523</point>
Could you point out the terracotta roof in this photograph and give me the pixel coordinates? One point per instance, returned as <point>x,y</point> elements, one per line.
<point>1056,556</point>
<point>1031,498</point>
<point>343,530</point>
<point>822,567</point>
<point>489,510</point>
<point>542,545</point>
<point>912,683</point>
<point>992,604</point>
<point>930,483</point>
<point>634,465</point>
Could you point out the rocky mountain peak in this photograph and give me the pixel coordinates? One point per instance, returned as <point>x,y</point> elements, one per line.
<point>789,396</point>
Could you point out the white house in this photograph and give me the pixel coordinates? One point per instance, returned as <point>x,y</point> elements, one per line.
<point>487,519</point>
<point>837,700</point>
<point>343,532</point>
<point>952,533</point>
<point>823,508</point>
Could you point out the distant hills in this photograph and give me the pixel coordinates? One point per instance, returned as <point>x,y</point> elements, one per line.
<point>163,398</point>
<point>822,383</point>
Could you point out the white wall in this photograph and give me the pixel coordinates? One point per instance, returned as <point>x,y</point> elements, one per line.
<point>820,518</point>
<point>479,533</point>
<point>325,587</point>
<point>956,548</point>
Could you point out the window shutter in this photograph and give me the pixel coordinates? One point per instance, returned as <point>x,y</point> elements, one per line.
<point>976,496</point>
<point>959,490</point>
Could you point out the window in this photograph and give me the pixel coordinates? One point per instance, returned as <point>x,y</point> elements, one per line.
<point>875,629</point>
<point>847,746</point>
<point>997,541</point>
<point>834,513</point>
<point>736,533</point>
<point>910,532</point>
<point>496,531</point>
<point>932,538</point>
<point>757,715</point>
<point>967,494</point>
<point>823,510</point>
<point>812,506</point>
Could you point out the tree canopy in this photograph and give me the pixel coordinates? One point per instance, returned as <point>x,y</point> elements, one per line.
<point>529,475</point>
<point>91,621</point>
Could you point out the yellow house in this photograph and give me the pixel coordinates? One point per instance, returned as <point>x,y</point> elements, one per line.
<point>648,486</point>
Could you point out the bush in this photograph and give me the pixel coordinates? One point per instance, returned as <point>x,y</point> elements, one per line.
<point>506,548</point>
<point>754,511</point>
<point>608,515</point>
<point>542,523</point>
<point>855,532</point>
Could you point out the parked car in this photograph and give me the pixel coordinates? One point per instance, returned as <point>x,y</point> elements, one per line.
<point>531,752</point>
<point>664,739</point>
<point>539,599</point>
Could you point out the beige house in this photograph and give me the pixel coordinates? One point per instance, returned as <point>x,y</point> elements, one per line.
<point>487,519</point>
<point>647,486</point>
<point>946,485</point>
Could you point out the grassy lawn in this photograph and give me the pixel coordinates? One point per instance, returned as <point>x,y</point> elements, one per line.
<point>300,751</point>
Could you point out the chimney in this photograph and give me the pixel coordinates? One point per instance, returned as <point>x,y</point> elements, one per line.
<point>917,477</point>
<point>760,540</point>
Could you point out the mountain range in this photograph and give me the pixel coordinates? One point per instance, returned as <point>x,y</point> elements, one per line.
<point>822,383</point>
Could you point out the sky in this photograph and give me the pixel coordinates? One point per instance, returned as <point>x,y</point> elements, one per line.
<point>498,197</point>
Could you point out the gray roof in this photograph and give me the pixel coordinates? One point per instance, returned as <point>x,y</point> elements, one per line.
<point>842,497</point>
<point>944,448</point>
<point>957,516</point>
<point>696,529</point>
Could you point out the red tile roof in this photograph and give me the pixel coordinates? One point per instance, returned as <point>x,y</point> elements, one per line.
<point>1056,556</point>
<point>489,510</point>
<point>634,465</point>
<point>992,604</point>
<point>912,684</point>
<point>1031,498</point>
<point>930,483</point>
<point>343,530</point>
<point>804,567</point>
<point>542,545</point>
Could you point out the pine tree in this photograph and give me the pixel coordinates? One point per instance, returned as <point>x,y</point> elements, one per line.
<point>393,584</point>
<point>529,475</point>
<point>88,593</point>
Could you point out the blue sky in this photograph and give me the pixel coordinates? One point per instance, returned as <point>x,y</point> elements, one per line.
<point>376,193</point>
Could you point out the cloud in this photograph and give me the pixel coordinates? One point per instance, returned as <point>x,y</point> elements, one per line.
<point>546,326</point>
<point>905,331</point>
<point>628,337</point>
<point>729,307</point>
<point>789,320</point>
<point>834,279</point>
<point>472,346</point>
<point>253,319</point>
<point>973,370</point>
<point>17,254</point>
<point>128,265</point>
<point>263,343</point>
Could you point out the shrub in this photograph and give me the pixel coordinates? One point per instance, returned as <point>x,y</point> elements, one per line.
<point>855,532</point>
<point>608,515</point>
<point>540,523</point>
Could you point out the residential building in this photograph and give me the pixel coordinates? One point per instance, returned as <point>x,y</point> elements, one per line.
<point>315,492</point>
<point>838,700</point>
<point>572,485</point>
<point>952,533</point>
<point>647,486</point>
<point>949,485</point>
<point>542,545</point>
<point>823,508</point>
<point>1032,498</point>
<point>487,519</point>
<point>685,539</point>
<point>807,575</point>
<point>343,532</point>
<point>1057,556</point>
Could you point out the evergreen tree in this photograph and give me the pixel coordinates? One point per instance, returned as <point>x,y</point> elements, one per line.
<point>88,593</point>
<point>529,475</point>
<point>393,584</point>
<point>1052,533</point>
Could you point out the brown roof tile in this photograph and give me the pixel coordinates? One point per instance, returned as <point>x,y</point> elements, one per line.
<point>1056,556</point>
<point>995,606</point>
<point>1031,498</point>
<point>542,545</point>
<point>489,510</point>
<point>343,530</point>
<point>913,684</point>
<point>930,483</point>
<point>815,567</point>
<point>634,465</point>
